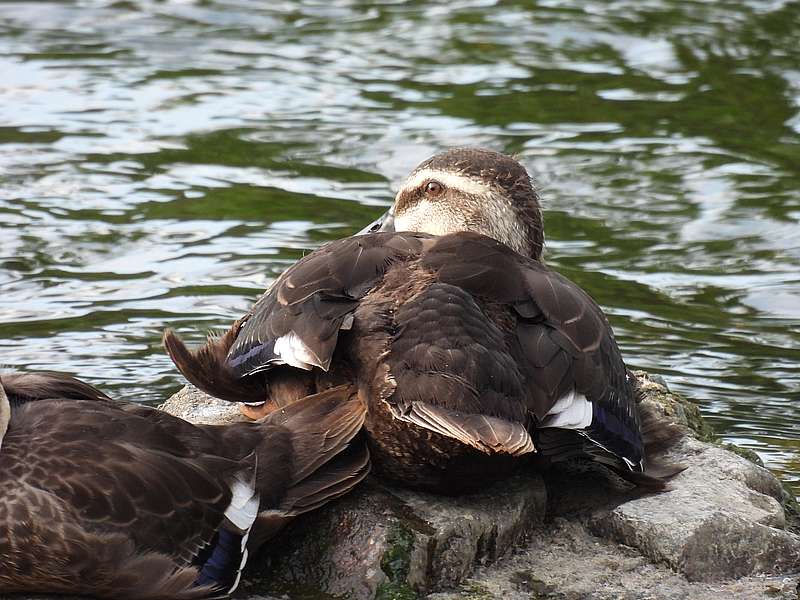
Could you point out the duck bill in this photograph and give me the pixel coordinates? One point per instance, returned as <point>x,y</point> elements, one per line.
<point>383,223</point>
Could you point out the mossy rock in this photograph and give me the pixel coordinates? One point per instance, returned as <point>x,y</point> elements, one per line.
<point>792,509</point>
<point>675,406</point>
<point>745,453</point>
<point>396,564</point>
<point>681,410</point>
<point>475,591</point>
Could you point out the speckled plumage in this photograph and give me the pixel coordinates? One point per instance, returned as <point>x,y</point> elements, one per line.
<point>119,500</point>
<point>458,322</point>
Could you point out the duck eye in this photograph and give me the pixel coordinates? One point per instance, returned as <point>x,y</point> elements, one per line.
<point>434,188</point>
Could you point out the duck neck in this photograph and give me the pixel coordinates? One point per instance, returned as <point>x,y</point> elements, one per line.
<point>5,413</point>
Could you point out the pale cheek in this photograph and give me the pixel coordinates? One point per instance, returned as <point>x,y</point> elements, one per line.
<point>429,220</point>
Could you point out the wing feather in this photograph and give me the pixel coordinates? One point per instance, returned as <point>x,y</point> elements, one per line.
<point>491,435</point>
<point>144,483</point>
<point>315,298</point>
<point>564,342</point>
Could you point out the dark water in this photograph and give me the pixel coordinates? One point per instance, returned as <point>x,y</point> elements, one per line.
<point>162,162</point>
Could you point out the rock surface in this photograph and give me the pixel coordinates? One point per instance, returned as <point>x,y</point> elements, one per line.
<point>564,561</point>
<point>725,529</point>
<point>382,542</point>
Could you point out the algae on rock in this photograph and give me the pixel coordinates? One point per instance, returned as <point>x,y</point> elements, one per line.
<point>396,564</point>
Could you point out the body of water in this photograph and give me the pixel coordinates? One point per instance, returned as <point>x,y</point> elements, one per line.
<point>162,162</point>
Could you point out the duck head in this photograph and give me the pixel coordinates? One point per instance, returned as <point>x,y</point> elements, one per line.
<point>469,189</point>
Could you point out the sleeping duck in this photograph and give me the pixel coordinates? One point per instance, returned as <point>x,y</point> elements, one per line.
<point>469,352</point>
<point>119,500</point>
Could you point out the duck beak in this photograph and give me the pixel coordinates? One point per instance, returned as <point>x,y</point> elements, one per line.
<point>383,223</point>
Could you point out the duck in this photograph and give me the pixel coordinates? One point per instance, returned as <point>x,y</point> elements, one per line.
<point>119,500</point>
<point>472,355</point>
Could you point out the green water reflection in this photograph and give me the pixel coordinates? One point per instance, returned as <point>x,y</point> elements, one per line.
<point>162,162</point>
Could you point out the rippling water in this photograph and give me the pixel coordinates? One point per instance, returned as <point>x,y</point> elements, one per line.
<point>162,162</point>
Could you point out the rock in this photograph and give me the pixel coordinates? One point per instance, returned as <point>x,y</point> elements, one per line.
<point>191,404</point>
<point>725,529</point>
<point>721,519</point>
<point>384,542</point>
<point>724,519</point>
<point>564,561</point>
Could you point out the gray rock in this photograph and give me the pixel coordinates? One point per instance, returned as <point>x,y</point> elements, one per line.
<point>191,404</point>
<point>564,561</point>
<point>722,520</point>
<point>386,542</point>
<point>725,529</point>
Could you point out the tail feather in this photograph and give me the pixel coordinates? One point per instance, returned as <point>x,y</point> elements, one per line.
<point>658,432</point>
<point>321,425</point>
<point>329,457</point>
<point>337,478</point>
<point>658,435</point>
<point>206,367</point>
<point>149,577</point>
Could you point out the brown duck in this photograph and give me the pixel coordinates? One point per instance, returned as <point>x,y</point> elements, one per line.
<point>123,501</point>
<point>468,350</point>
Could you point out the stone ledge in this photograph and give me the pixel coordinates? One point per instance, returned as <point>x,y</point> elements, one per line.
<point>723,519</point>
<point>384,542</point>
<point>725,529</point>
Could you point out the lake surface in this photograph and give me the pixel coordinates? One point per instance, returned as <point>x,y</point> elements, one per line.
<point>162,162</point>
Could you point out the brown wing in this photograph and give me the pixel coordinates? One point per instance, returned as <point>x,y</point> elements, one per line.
<point>302,312</point>
<point>307,453</point>
<point>324,457</point>
<point>120,473</point>
<point>45,549</point>
<point>314,298</point>
<point>563,340</point>
<point>127,495</point>
<point>453,372</point>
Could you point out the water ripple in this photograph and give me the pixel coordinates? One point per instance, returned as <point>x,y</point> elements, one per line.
<point>162,161</point>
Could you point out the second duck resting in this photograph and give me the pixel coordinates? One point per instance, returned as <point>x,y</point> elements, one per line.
<point>121,501</point>
<point>469,352</point>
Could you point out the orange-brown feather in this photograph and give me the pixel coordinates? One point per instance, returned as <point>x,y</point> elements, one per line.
<point>206,367</point>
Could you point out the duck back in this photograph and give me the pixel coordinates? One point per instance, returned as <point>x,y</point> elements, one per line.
<point>461,347</point>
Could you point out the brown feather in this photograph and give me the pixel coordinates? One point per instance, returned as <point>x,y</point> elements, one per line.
<point>660,436</point>
<point>207,368</point>
<point>118,500</point>
<point>327,457</point>
<point>426,325</point>
<point>487,434</point>
<point>27,387</point>
<point>321,425</point>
